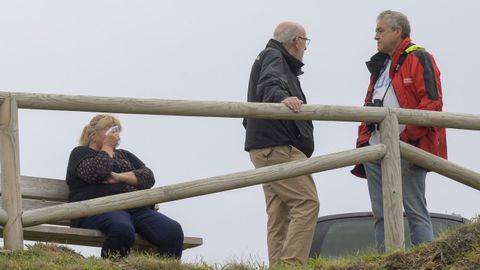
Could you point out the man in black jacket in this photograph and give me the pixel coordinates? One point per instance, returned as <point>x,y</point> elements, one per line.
<point>292,204</point>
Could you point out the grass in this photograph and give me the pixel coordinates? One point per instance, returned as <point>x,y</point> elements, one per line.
<point>456,250</point>
<point>55,257</point>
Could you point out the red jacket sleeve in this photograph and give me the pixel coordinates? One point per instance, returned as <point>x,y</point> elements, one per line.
<point>427,89</point>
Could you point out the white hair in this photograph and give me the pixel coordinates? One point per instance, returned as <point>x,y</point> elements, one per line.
<point>287,34</point>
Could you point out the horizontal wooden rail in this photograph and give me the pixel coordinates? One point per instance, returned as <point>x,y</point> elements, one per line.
<point>437,119</point>
<point>87,237</point>
<point>40,188</point>
<point>194,108</point>
<point>202,187</point>
<point>439,165</point>
<point>238,110</point>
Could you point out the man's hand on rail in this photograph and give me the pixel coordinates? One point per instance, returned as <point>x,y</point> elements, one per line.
<point>293,103</point>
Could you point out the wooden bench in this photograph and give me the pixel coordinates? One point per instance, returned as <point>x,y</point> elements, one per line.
<point>42,192</point>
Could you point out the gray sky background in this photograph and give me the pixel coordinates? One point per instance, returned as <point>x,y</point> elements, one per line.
<point>203,50</point>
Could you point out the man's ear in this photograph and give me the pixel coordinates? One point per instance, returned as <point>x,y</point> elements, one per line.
<point>296,43</point>
<point>398,31</point>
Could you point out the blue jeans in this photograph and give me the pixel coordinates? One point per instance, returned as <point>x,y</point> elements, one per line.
<point>414,202</point>
<point>119,228</point>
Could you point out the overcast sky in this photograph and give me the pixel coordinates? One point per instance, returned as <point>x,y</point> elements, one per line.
<point>203,50</point>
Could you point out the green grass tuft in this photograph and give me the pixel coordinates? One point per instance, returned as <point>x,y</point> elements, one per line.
<point>456,250</point>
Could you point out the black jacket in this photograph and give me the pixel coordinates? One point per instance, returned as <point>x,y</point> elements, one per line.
<point>81,190</point>
<point>274,77</point>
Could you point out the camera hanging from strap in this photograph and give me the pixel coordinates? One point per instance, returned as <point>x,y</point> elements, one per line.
<point>379,102</point>
<point>410,48</point>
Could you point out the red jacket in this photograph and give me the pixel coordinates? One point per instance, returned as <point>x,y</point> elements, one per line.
<point>416,83</point>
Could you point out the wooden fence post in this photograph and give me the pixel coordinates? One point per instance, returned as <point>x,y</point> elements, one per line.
<point>392,184</point>
<point>10,174</point>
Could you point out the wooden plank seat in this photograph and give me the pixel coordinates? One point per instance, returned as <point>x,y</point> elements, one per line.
<point>41,192</point>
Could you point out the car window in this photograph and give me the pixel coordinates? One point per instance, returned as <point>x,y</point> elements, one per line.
<point>348,236</point>
<point>355,235</point>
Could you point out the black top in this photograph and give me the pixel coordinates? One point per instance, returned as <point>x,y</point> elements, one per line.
<point>88,169</point>
<point>274,77</point>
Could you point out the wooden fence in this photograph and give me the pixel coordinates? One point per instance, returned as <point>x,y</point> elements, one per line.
<point>390,152</point>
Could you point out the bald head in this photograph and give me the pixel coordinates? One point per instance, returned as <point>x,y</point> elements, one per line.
<point>286,32</point>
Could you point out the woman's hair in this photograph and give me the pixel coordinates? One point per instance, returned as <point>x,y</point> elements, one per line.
<point>98,122</point>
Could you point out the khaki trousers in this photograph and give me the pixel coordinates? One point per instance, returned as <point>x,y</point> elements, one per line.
<point>292,207</point>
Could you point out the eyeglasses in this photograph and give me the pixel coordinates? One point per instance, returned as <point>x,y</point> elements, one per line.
<point>307,40</point>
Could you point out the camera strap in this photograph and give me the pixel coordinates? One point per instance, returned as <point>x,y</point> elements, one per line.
<point>386,91</point>
<point>410,48</point>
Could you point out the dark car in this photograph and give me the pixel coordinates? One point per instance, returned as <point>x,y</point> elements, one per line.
<point>353,233</point>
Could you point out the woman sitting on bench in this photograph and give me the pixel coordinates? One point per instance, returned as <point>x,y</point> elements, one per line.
<point>97,168</point>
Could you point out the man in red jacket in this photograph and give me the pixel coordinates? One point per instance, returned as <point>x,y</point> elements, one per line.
<point>403,75</point>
